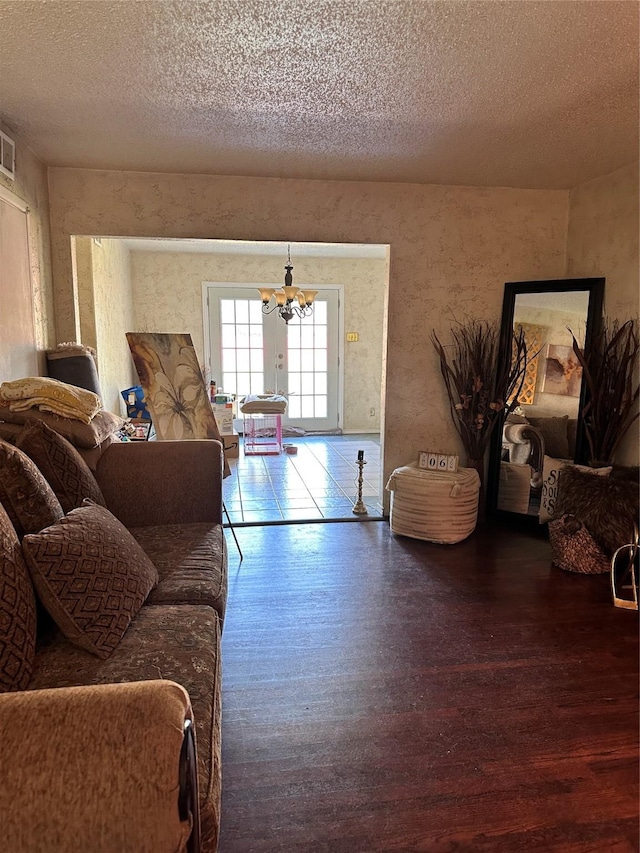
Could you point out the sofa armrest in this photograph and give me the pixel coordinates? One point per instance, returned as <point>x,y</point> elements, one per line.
<point>525,434</point>
<point>148,483</point>
<point>94,768</point>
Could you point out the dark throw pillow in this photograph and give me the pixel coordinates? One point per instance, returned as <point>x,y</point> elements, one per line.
<point>91,575</point>
<point>607,507</point>
<point>17,612</point>
<point>555,432</point>
<point>25,494</point>
<point>64,469</point>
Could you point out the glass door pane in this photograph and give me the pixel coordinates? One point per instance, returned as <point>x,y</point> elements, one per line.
<point>241,346</point>
<point>254,353</point>
<point>310,355</point>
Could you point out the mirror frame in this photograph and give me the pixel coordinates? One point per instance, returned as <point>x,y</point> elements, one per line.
<point>595,288</point>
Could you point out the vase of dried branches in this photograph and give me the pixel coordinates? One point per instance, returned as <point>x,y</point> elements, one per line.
<point>609,367</point>
<point>479,388</point>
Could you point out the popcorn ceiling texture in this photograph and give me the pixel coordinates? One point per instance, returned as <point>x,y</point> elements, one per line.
<point>465,92</point>
<point>451,250</point>
<point>167,295</point>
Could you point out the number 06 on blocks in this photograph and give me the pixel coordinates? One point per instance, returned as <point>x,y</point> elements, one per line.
<point>434,461</point>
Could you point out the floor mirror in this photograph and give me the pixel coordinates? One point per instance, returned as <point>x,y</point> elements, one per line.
<point>545,429</point>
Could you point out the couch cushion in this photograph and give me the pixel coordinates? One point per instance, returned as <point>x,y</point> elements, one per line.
<point>555,432</point>
<point>92,455</point>
<point>64,469</point>
<point>91,575</point>
<point>191,560</point>
<point>179,643</point>
<point>25,494</point>
<point>17,611</point>
<point>9,432</point>
<point>79,434</point>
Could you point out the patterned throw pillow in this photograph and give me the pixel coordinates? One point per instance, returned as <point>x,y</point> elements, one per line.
<point>91,575</point>
<point>64,469</point>
<point>25,494</point>
<point>17,612</point>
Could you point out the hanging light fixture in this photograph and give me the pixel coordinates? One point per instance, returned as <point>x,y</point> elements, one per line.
<point>287,296</point>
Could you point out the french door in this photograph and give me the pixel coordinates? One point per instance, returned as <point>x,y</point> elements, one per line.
<point>256,353</point>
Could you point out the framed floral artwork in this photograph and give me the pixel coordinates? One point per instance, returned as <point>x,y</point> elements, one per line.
<point>173,385</point>
<point>562,371</point>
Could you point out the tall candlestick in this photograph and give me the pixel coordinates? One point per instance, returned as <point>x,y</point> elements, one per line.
<point>359,508</point>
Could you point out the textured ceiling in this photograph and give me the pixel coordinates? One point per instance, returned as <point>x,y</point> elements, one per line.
<point>520,93</point>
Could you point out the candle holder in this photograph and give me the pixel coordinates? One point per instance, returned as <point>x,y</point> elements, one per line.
<point>359,508</point>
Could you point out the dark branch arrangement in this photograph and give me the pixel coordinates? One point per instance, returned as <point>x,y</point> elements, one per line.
<point>608,369</point>
<point>478,387</point>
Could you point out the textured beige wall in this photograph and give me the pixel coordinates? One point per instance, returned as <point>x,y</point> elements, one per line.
<point>167,289</point>
<point>603,240</point>
<point>83,269</point>
<point>113,311</point>
<point>30,185</point>
<point>451,251</point>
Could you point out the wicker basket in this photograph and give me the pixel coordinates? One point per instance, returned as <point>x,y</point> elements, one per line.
<point>574,549</point>
<point>437,506</point>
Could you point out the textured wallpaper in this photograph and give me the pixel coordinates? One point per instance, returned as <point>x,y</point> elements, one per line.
<point>31,186</point>
<point>167,290</point>
<point>603,240</point>
<point>451,251</point>
<point>113,307</point>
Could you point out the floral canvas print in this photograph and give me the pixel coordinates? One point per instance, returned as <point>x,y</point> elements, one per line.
<point>173,384</point>
<point>563,373</point>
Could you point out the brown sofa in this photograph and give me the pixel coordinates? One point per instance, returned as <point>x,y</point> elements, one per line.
<point>93,749</point>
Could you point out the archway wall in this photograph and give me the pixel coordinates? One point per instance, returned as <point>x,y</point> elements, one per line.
<point>451,251</point>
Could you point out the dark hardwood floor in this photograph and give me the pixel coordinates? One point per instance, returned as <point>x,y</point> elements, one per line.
<point>384,694</point>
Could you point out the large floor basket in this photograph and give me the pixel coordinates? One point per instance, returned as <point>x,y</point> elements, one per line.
<point>437,506</point>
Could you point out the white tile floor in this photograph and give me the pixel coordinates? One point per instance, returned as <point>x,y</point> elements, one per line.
<point>320,481</point>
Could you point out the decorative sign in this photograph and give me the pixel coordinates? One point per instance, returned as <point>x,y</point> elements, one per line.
<point>433,461</point>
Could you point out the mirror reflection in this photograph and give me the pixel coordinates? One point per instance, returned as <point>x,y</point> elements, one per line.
<point>545,422</point>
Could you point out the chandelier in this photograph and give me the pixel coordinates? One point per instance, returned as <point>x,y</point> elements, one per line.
<point>287,297</point>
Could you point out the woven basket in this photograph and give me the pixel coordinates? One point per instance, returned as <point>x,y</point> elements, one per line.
<point>574,549</point>
<point>435,506</point>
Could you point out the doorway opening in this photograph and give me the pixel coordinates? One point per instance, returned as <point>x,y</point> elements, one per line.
<point>330,365</point>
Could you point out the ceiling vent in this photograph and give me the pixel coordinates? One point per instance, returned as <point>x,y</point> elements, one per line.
<point>7,156</point>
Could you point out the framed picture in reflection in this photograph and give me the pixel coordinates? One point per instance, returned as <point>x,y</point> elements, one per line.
<point>562,371</point>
